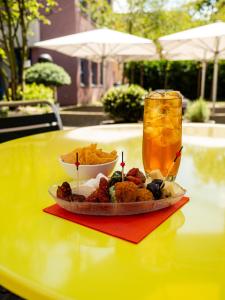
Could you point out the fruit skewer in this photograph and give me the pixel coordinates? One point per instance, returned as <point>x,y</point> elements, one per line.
<point>178,154</point>
<point>77,168</point>
<point>122,164</point>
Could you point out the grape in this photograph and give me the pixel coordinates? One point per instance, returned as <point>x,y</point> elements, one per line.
<point>156,188</point>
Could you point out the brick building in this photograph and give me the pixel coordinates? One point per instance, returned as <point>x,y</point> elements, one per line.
<point>86,76</point>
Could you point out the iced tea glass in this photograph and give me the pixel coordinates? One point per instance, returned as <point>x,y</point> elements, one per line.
<point>162,131</point>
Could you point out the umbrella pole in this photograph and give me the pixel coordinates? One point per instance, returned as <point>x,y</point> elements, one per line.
<point>104,74</point>
<point>204,65</point>
<point>215,81</point>
<point>215,74</point>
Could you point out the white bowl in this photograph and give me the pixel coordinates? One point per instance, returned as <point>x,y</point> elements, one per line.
<point>88,171</point>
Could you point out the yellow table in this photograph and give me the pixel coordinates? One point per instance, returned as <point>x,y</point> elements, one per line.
<point>45,257</point>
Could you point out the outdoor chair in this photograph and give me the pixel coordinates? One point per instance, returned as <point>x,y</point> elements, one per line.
<point>16,126</point>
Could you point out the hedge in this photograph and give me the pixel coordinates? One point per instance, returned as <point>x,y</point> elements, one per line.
<point>184,76</point>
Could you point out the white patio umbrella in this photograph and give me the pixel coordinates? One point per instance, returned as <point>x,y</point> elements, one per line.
<point>201,43</point>
<point>175,54</point>
<point>103,45</point>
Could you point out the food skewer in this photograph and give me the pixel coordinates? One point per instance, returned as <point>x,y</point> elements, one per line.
<point>77,167</point>
<point>122,165</point>
<point>178,154</point>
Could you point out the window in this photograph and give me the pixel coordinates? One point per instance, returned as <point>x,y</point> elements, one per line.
<point>94,73</point>
<point>84,74</point>
<point>101,73</point>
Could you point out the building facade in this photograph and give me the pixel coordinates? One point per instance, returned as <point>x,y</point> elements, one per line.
<point>86,76</point>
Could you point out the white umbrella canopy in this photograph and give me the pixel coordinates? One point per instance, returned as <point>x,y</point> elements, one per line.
<point>102,43</point>
<point>201,43</point>
<point>189,53</point>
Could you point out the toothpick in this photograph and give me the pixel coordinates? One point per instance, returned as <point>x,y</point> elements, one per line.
<point>77,167</point>
<point>122,165</point>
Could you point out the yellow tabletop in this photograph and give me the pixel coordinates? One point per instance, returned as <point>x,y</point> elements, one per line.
<point>45,257</point>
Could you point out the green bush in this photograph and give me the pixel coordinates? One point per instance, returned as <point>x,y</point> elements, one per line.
<point>184,76</point>
<point>38,92</point>
<point>48,74</point>
<point>34,92</point>
<point>125,103</point>
<point>175,75</point>
<point>4,112</point>
<point>198,111</point>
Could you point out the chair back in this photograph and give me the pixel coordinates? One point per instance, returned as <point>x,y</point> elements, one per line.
<point>13,127</point>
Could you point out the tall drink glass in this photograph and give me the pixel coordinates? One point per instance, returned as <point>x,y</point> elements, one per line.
<point>162,131</point>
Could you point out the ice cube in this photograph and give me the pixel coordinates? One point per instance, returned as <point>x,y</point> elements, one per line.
<point>152,132</point>
<point>168,137</point>
<point>158,121</point>
<point>176,121</point>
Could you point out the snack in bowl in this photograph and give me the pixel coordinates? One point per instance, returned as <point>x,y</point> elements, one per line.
<point>89,155</point>
<point>92,162</point>
<point>112,196</point>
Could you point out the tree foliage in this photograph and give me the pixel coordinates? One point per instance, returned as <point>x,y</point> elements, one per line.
<point>208,10</point>
<point>145,18</point>
<point>16,17</point>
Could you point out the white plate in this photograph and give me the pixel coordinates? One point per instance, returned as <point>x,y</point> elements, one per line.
<point>114,209</point>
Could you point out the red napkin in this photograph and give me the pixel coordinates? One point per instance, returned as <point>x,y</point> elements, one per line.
<point>131,228</point>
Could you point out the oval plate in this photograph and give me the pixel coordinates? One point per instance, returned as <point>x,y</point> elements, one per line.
<point>115,209</point>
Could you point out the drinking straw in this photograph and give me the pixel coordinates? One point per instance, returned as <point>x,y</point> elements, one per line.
<point>77,167</point>
<point>178,154</point>
<point>122,165</point>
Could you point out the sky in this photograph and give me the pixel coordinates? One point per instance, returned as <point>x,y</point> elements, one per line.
<point>121,5</point>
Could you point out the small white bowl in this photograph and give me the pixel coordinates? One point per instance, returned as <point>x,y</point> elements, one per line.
<point>88,171</point>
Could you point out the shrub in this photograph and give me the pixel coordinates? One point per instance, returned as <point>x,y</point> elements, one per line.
<point>37,92</point>
<point>48,74</point>
<point>198,111</point>
<point>4,112</point>
<point>183,76</point>
<point>162,74</point>
<point>34,92</point>
<point>125,103</point>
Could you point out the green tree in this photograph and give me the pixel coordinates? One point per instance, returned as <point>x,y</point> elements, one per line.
<point>208,10</point>
<point>16,17</point>
<point>147,18</point>
<point>99,11</point>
